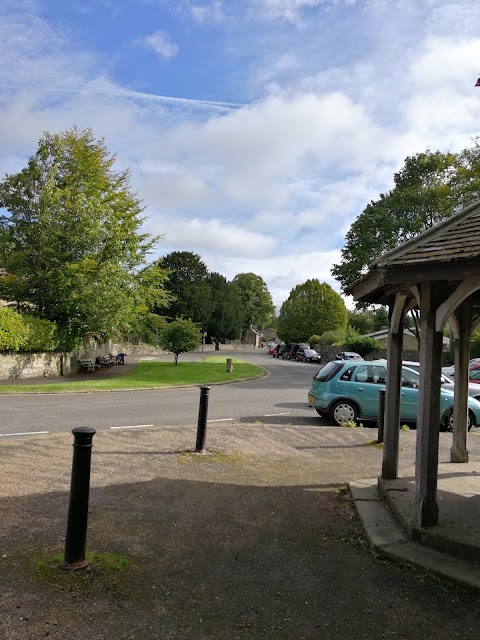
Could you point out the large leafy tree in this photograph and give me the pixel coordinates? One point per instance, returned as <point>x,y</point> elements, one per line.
<point>256,300</point>
<point>72,243</point>
<point>188,284</point>
<point>311,309</point>
<point>226,320</point>
<point>426,191</point>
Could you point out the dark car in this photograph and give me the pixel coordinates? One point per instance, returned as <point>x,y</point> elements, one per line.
<point>292,349</point>
<point>308,355</point>
<point>279,349</point>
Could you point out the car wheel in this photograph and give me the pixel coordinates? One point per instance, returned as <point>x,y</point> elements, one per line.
<point>343,411</point>
<point>448,421</point>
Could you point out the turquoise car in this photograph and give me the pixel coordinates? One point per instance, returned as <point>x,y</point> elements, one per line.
<point>347,391</point>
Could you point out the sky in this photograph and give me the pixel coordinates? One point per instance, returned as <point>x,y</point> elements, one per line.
<point>255,131</point>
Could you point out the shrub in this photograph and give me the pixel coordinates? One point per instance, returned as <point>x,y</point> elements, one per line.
<point>40,335</point>
<point>313,340</point>
<point>12,329</point>
<point>360,344</point>
<point>335,338</point>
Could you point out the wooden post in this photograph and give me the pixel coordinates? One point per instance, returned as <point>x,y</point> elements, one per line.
<point>432,295</point>
<point>229,367</point>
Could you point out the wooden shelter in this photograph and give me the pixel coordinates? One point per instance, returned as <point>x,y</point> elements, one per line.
<point>437,272</point>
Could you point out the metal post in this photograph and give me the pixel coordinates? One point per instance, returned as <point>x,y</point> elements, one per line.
<point>76,538</point>
<point>202,419</point>
<point>381,414</point>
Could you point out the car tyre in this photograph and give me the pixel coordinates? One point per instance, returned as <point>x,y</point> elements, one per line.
<point>448,420</point>
<point>343,411</point>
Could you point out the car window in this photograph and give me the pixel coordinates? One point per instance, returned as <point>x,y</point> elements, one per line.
<point>328,371</point>
<point>371,374</point>
<point>347,375</point>
<point>410,379</point>
<point>474,374</point>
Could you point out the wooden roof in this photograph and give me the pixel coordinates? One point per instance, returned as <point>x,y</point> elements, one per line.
<point>448,251</point>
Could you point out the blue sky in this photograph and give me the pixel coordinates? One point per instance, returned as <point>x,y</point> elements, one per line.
<point>256,131</point>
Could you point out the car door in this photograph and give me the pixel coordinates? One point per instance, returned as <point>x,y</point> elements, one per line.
<point>409,395</point>
<point>368,381</point>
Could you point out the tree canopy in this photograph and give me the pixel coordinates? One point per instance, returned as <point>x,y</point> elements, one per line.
<point>180,336</point>
<point>227,317</point>
<point>72,243</point>
<point>311,308</point>
<point>188,285</point>
<point>427,189</point>
<point>256,300</point>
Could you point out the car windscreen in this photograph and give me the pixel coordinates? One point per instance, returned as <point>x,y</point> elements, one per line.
<point>328,371</point>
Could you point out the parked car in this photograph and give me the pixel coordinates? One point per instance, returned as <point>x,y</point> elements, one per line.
<point>279,349</point>
<point>445,381</point>
<point>450,370</point>
<point>348,355</point>
<point>308,355</point>
<point>291,350</point>
<point>347,391</point>
<point>474,374</point>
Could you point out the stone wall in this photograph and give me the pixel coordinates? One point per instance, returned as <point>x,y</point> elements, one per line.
<point>36,365</point>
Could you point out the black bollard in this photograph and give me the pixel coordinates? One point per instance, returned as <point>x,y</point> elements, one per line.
<point>76,538</point>
<point>202,419</point>
<point>381,414</point>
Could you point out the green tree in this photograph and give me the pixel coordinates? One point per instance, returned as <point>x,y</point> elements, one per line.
<point>74,247</point>
<point>180,336</point>
<point>12,330</point>
<point>360,344</point>
<point>380,318</point>
<point>256,301</point>
<point>311,308</point>
<point>40,335</point>
<point>188,286</point>
<point>226,320</point>
<point>423,195</point>
<point>361,321</point>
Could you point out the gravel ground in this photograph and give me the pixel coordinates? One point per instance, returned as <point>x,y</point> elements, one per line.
<point>257,540</point>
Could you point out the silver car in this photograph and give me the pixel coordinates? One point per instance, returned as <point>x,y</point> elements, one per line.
<point>446,382</point>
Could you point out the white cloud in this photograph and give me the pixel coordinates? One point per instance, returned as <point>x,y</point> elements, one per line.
<point>208,12</point>
<point>160,42</point>
<point>289,10</point>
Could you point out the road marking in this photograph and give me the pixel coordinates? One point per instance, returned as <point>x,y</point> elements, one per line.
<point>133,426</point>
<point>24,433</point>
<point>221,420</point>
<point>269,415</point>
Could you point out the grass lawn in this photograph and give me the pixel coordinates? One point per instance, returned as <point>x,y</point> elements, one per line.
<point>151,374</point>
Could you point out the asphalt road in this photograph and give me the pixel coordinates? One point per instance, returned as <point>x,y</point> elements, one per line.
<point>279,398</point>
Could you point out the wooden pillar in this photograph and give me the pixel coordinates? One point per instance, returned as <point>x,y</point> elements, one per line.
<point>459,452</point>
<point>432,295</point>
<point>392,395</point>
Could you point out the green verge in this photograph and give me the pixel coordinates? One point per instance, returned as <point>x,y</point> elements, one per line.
<point>151,375</point>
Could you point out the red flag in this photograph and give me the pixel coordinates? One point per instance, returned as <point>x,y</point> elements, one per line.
<point>477,84</point>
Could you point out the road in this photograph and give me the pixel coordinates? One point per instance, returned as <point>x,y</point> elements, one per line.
<point>279,398</point>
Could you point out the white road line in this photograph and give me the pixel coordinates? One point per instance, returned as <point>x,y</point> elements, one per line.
<point>221,420</point>
<point>24,433</point>
<point>133,426</point>
<point>269,415</point>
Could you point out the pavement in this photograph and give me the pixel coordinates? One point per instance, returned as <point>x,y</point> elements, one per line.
<point>254,540</point>
<point>450,550</point>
